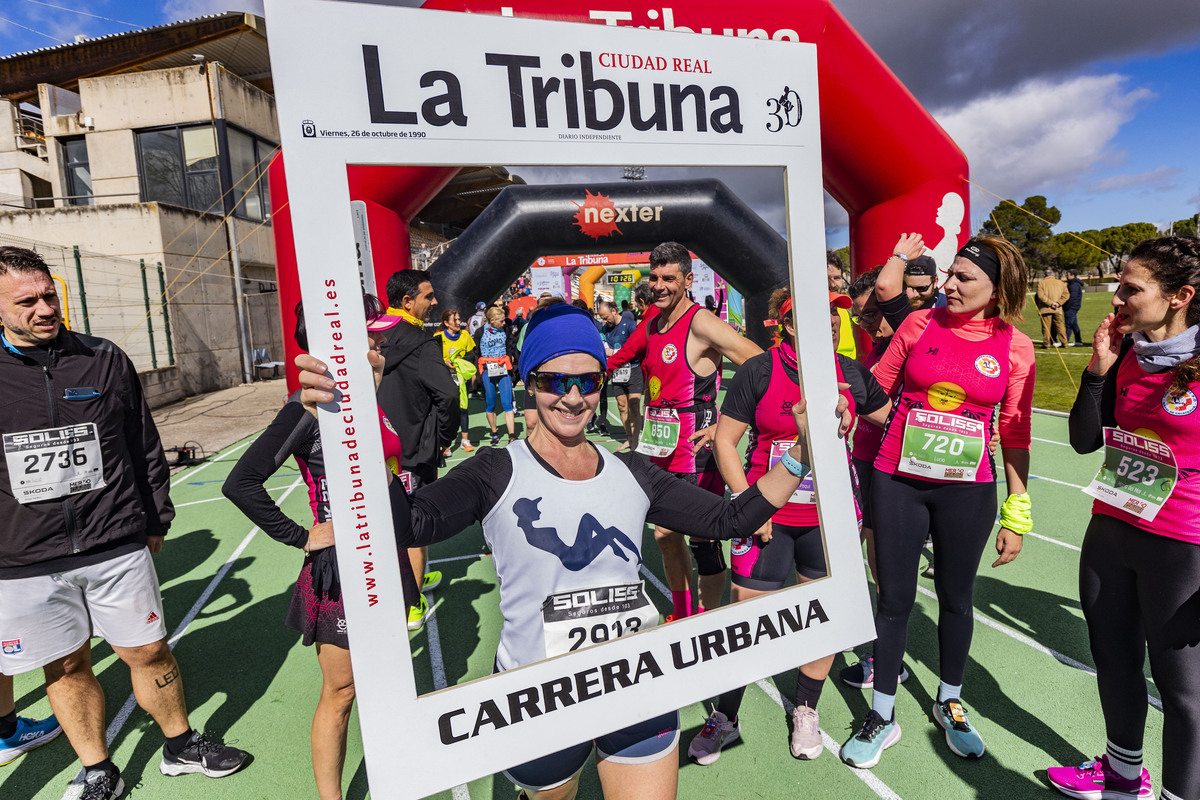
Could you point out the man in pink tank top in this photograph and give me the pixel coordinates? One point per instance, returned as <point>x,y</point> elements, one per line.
<point>683,368</point>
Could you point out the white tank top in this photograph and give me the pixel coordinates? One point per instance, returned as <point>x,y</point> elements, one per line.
<point>567,555</point>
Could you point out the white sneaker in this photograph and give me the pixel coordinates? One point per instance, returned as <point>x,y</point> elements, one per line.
<point>717,732</point>
<point>806,733</point>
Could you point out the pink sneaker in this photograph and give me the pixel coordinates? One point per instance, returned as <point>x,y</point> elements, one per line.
<point>1093,781</point>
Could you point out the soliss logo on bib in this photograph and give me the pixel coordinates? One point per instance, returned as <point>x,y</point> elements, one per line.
<point>988,366</point>
<point>669,353</point>
<point>1179,404</point>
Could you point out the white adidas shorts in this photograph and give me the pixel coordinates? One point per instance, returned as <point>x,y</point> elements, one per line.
<point>46,617</point>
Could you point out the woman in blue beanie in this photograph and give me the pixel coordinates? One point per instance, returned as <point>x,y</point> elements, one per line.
<point>553,487</point>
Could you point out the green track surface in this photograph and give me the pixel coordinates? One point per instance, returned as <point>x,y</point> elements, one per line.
<point>249,678</point>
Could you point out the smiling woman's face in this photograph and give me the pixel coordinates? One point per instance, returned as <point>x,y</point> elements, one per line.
<point>566,415</point>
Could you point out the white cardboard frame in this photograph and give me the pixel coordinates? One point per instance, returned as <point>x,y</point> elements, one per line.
<point>316,54</point>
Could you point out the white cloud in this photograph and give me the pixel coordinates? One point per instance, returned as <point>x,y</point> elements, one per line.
<point>1043,137</point>
<point>1157,179</point>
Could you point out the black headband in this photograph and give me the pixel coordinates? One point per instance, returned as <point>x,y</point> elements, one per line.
<point>983,257</point>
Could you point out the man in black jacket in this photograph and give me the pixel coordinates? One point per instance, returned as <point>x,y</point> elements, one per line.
<point>420,399</point>
<point>1072,306</point>
<point>84,496</point>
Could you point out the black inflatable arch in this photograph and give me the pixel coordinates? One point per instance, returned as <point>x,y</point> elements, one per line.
<point>525,222</point>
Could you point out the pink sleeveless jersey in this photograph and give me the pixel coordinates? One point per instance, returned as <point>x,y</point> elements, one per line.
<point>945,372</point>
<point>773,421</point>
<point>868,437</point>
<point>1145,406</point>
<point>671,383</point>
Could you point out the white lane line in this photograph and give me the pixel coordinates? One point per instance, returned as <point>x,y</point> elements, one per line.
<point>1041,648</point>
<point>1046,539</point>
<point>438,668</point>
<point>1049,441</point>
<point>459,558</point>
<point>1052,480</point>
<point>650,576</point>
<point>187,474</point>
<point>76,786</point>
<point>222,497</point>
<point>865,775</point>
<point>1054,541</point>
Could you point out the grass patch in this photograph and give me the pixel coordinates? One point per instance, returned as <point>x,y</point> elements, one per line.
<point>1059,368</point>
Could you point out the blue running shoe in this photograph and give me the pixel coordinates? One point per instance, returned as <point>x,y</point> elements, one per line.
<point>962,738</point>
<point>864,749</point>
<point>30,734</point>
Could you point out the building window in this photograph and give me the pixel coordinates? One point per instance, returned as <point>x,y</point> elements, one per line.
<point>78,172</point>
<point>248,158</point>
<point>180,166</point>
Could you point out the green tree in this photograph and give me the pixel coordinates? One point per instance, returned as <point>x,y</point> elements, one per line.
<point>1120,239</point>
<point>1186,227</point>
<point>1078,251</point>
<point>1028,226</point>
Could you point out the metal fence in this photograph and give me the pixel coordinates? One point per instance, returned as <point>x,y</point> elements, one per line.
<point>116,298</point>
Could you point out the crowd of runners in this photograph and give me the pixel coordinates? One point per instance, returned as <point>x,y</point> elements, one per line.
<point>935,408</point>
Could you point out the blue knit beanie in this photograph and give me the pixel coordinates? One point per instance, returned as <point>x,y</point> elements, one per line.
<point>556,331</point>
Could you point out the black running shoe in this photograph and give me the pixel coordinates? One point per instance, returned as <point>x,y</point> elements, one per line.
<point>203,754</point>
<point>99,785</point>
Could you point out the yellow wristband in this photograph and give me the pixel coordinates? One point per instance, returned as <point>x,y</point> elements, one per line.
<point>1016,515</point>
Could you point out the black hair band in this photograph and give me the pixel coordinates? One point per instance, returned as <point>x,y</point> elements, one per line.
<point>983,257</point>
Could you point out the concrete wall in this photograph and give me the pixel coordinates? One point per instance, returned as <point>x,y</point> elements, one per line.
<point>192,247</point>
<point>247,106</point>
<point>203,318</point>
<point>161,386</point>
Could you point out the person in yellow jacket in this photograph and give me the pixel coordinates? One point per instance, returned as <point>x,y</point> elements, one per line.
<point>835,271</point>
<point>456,346</point>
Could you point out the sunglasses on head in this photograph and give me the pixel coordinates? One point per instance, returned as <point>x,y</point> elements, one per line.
<point>561,383</point>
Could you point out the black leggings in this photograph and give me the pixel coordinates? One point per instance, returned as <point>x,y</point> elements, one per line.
<point>959,516</point>
<point>464,422</point>
<point>1139,592</point>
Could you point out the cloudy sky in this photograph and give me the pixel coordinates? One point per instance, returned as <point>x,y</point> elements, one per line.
<point>1094,105</point>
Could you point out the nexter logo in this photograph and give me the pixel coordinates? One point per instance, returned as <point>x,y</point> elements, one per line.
<point>598,215</point>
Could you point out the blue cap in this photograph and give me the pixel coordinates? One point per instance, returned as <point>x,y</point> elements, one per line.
<point>480,306</point>
<point>556,331</point>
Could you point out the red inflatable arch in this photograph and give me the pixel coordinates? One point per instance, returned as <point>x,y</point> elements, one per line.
<point>886,160</point>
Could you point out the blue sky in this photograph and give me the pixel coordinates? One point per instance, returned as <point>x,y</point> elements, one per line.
<point>1094,105</point>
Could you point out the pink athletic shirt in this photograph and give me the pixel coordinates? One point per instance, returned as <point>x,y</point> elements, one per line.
<point>672,383</point>
<point>971,368</point>
<point>867,437</point>
<point>1144,405</point>
<point>773,421</point>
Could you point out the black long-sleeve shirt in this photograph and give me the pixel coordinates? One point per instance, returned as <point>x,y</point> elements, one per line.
<point>468,492</point>
<point>1095,406</point>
